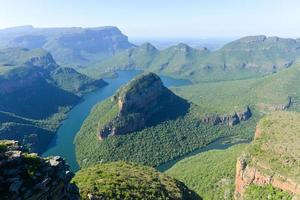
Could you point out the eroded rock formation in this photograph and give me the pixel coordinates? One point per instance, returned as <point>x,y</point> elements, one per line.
<point>273,157</point>
<point>229,120</point>
<point>247,175</point>
<point>143,102</point>
<point>27,176</point>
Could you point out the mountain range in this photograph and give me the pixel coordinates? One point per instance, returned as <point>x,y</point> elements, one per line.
<point>247,57</point>
<point>245,91</point>
<point>70,47</point>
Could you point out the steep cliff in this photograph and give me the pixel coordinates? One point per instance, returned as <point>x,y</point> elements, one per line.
<point>141,103</point>
<point>26,176</point>
<point>273,157</point>
<point>229,120</point>
<point>69,46</point>
<point>146,123</point>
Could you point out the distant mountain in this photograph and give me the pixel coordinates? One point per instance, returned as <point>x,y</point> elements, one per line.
<point>35,92</point>
<point>244,58</point>
<point>69,46</point>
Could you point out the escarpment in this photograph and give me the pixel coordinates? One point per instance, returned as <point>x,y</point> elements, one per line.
<point>27,176</point>
<point>145,101</point>
<point>273,157</point>
<point>229,120</point>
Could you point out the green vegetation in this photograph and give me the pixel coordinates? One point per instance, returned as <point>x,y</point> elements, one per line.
<point>35,94</point>
<point>241,59</point>
<point>211,174</point>
<point>276,148</point>
<point>71,47</point>
<point>264,94</point>
<point>71,80</point>
<point>265,192</point>
<point>4,144</point>
<point>123,181</point>
<point>33,162</point>
<point>156,143</point>
<point>15,57</point>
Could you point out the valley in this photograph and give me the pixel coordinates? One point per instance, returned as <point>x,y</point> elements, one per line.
<point>180,117</point>
<point>62,143</point>
<point>35,95</point>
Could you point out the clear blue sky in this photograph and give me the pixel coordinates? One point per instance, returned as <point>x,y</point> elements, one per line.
<point>160,18</point>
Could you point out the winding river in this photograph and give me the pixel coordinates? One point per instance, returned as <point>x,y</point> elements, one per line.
<point>62,144</point>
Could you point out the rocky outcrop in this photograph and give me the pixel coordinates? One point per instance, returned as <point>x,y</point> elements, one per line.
<point>277,107</point>
<point>229,120</point>
<point>69,46</point>
<point>142,103</point>
<point>45,61</point>
<point>140,94</point>
<point>27,176</point>
<point>122,125</point>
<point>273,157</point>
<point>247,175</point>
<point>137,102</point>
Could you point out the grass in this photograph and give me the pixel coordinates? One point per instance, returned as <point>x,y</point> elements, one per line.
<point>211,174</point>
<point>126,181</point>
<point>266,192</point>
<point>276,150</point>
<point>171,133</point>
<point>151,146</point>
<point>262,93</point>
<point>29,112</point>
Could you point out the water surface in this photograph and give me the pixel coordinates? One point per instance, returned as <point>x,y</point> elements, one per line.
<point>62,143</point>
<point>219,144</point>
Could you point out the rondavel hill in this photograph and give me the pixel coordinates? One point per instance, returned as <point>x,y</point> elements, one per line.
<point>147,123</point>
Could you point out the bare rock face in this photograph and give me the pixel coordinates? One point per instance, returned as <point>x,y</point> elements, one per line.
<point>141,103</point>
<point>247,175</point>
<point>273,157</point>
<point>137,102</point>
<point>140,94</point>
<point>27,176</point>
<point>229,120</point>
<point>45,61</point>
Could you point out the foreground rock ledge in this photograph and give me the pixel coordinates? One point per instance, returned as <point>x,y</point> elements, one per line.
<point>27,176</point>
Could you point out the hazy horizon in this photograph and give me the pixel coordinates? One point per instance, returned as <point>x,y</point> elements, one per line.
<point>163,19</point>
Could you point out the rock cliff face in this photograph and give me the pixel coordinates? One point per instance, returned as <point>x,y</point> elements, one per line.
<point>69,46</point>
<point>229,120</point>
<point>142,103</point>
<point>247,175</point>
<point>26,176</point>
<point>272,158</point>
